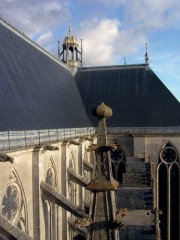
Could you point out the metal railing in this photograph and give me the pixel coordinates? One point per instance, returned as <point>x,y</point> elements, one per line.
<point>14,139</point>
<point>143,130</point>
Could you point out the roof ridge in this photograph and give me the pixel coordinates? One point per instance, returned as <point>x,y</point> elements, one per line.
<point>29,40</point>
<point>114,67</point>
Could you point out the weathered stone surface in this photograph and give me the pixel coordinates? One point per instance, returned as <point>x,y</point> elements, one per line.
<point>57,198</point>
<point>12,231</point>
<point>77,178</point>
<point>81,230</point>
<point>101,184</point>
<point>87,165</point>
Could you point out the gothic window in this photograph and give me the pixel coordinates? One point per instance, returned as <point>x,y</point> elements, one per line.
<point>50,209</point>
<point>118,161</point>
<point>14,204</point>
<point>168,184</point>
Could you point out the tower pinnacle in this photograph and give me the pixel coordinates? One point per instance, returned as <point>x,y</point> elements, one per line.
<point>103,212</point>
<point>70,53</point>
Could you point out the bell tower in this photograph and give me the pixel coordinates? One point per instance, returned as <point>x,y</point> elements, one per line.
<point>70,53</point>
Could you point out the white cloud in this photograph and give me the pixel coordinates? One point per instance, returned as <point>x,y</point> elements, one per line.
<point>35,16</point>
<point>112,3</point>
<point>98,38</point>
<point>151,15</point>
<point>44,38</point>
<point>104,42</point>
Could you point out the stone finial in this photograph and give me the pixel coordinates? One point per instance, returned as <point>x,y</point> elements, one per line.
<point>103,111</point>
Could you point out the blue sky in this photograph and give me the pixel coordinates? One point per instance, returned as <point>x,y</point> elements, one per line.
<point>110,29</point>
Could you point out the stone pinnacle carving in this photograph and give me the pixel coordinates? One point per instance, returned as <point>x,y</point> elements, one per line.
<point>103,213</point>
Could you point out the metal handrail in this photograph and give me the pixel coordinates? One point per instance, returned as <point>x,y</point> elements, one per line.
<point>14,139</point>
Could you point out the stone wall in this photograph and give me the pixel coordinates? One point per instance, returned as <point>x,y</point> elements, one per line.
<point>20,182</point>
<point>24,201</point>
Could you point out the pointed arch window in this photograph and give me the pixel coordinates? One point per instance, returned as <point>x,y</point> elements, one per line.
<point>168,194</point>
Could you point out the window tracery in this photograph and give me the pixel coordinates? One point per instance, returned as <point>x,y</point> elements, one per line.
<point>14,207</point>
<point>168,196</point>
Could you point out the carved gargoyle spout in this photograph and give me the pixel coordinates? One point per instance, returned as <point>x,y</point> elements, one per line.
<point>6,158</point>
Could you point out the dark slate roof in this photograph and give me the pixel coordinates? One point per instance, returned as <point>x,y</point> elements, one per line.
<point>36,90</point>
<point>136,95</point>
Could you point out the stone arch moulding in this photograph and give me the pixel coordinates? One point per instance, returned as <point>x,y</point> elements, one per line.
<point>50,210</point>
<point>51,174</point>
<point>85,153</point>
<point>14,204</point>
<point>71,160</point>
<point>163,145</point>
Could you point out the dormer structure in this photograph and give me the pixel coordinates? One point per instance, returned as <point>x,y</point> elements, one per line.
<point>70,53</point>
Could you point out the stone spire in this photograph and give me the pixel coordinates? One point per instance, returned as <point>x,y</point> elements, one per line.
<point>103,206</point>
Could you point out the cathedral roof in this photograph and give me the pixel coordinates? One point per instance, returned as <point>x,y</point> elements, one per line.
<point>136,95</point>
<point>36,90</point>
